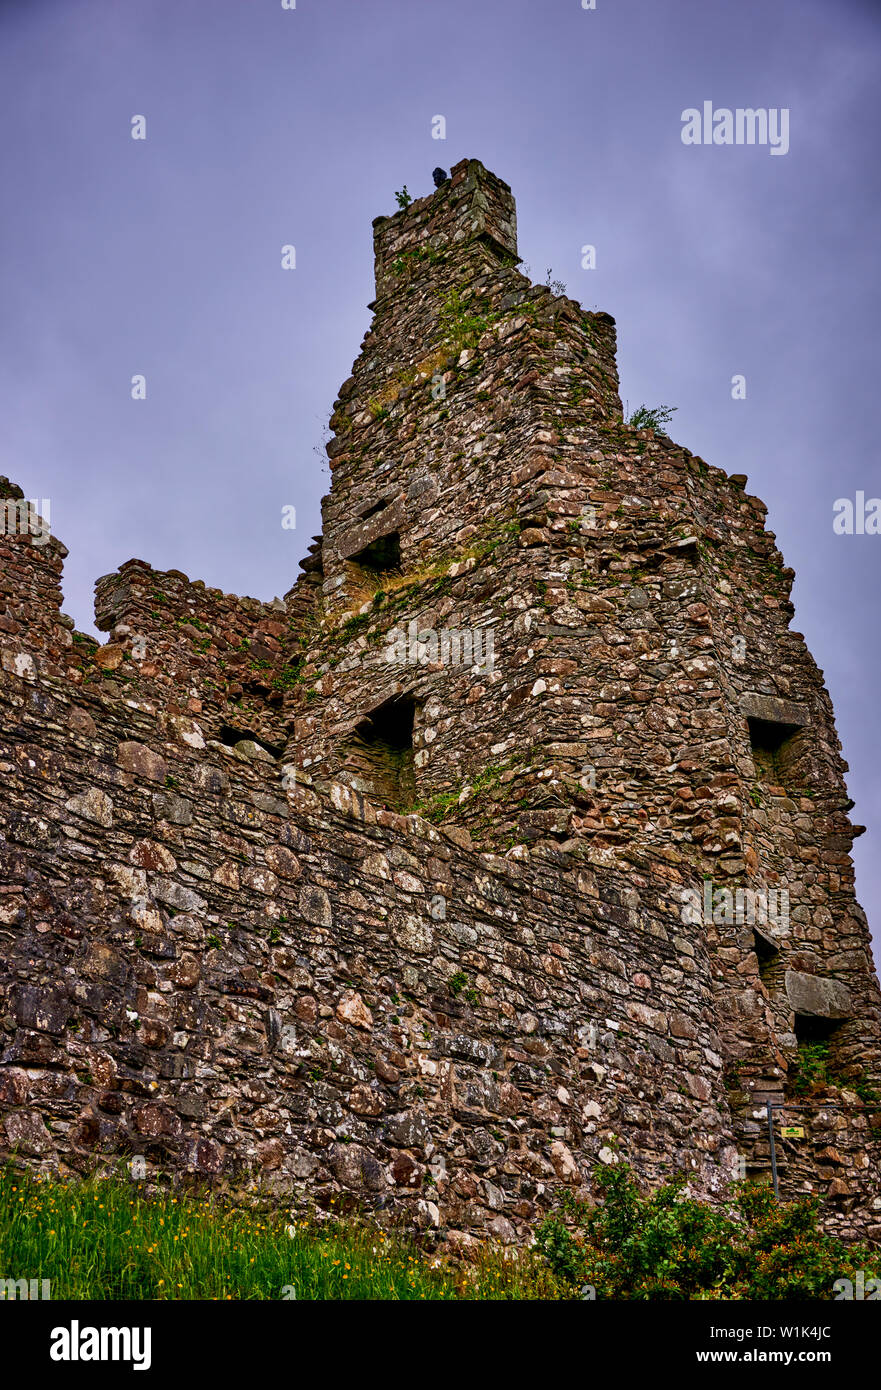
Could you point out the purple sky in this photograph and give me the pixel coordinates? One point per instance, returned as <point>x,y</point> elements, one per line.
<point>267,126</point>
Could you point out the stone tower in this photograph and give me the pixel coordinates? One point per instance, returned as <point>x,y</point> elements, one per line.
<point>514,839</point>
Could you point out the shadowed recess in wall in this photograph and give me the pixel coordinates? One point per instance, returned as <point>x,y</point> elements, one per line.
<point>379,756</point>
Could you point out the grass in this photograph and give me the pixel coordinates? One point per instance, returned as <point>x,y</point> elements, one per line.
<point>108,1239</point>
<point>379,585</point>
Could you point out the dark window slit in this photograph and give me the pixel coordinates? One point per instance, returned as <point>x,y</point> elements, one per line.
<point>230,737</point>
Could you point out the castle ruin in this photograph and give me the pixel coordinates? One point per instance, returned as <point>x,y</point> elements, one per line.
<point>513,840</point>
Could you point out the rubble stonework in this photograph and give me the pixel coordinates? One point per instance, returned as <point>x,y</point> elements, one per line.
<point>294,905</point>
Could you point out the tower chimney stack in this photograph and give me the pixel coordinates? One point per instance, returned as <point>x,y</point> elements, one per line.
<point>472,209</point>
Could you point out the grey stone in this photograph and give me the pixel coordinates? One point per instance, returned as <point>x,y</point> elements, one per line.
<point>814,995</point>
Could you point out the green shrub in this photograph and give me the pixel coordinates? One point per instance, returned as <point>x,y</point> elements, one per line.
<point>671,1246</point>
<point>644,418</point>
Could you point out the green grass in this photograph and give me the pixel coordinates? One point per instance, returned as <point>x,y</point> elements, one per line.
<point>106,1239</point>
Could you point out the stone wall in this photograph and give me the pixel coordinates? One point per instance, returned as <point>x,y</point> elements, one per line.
<point>322,997</point>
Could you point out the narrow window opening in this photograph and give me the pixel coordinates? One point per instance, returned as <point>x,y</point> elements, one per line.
<point>686,549</point>
<point>770,962</point>
<point>379,755</point>
<point>231,736</point>
<point>817,1062</point>
<point>809,1028</point>
<point>372,511</point>
<point>778,752</point>
<point>381,555</point>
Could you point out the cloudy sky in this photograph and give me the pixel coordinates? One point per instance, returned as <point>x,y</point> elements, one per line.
<point>269,126</point>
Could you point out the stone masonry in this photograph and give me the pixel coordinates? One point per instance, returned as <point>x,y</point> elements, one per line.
<point>444,878</point>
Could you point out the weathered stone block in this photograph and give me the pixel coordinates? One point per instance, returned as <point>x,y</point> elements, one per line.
<point>816,996</point>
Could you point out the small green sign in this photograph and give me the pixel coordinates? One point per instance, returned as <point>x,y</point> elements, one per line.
<point>792,1131</point>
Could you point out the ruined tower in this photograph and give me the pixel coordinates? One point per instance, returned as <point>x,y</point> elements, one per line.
<point>515,839</point>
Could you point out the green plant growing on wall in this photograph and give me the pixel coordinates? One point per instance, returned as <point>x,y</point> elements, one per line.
<point>464,321</point>
<point>863,1087</point>
<point>409,259</point>
<point>403,199</point>
<point>814,1071</point>
<point>812,1068</point>
<point>652,418</point>
<point>289,676</point>
<point>556,286</point>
